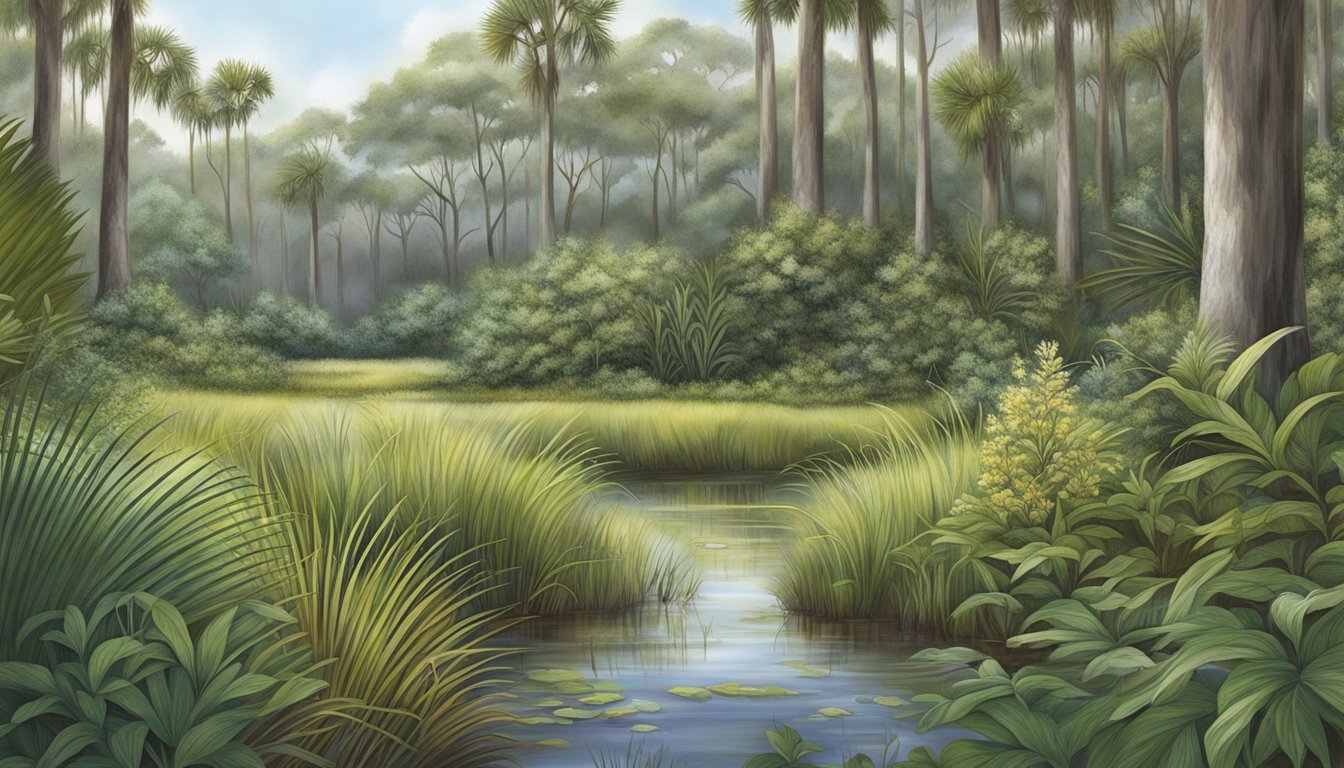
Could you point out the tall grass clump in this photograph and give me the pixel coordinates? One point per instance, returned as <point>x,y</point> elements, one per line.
<point>860,554</point>
<point>532,511</point>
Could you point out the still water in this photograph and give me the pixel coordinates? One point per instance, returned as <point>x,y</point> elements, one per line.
<point>843,686</point>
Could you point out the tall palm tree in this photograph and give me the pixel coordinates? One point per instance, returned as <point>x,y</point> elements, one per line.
<point>1068,228</point>
<point>1166,47</point>
<point>1325,67</point>
<point>976,103</point>
<point>759,13</point>
<point>193,112</point>
<point>301,182</point>
<point>872,19</point>
<point>86,61</point>
<point>1030,20</point>
<point>238,89</point>
<point>898,20</point>
<point>150,64</point>
<point>539,37</point>
<point>923,13</point>
<point>990,31</point>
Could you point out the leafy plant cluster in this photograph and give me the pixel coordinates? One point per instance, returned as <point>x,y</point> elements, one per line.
<point>1190,608</point>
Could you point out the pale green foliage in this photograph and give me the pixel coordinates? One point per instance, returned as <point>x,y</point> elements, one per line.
<point>179,242</point>
<point>974,98</point>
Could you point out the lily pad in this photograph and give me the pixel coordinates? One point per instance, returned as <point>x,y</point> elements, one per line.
<point>864,700</point>
<point>549,703</point>
<point>691,693</point>
<point>558,743</point>
<point>646,707</point>
<point>606,686</point>
<point>806,670</point>
<point>644,728</point>
<point>834,712</point>
<point>572,689</point>
<point>601,699</point>
<point>545,721</point>
<point>890,701</point>
<point>555,676</point>
<point>737,690</point>
<point>573,713</point>
<point>612,714</point>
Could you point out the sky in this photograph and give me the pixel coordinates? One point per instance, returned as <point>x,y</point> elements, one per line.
<point>327,52</point>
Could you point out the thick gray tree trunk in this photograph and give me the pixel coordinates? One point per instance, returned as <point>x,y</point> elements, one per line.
<point>1105,162</point>
<point>114,236</point>
<point>1253,281</point>
<point>991,52</point>
<point>766,84</point>
<point>1171,144</point>
<point>872,157</point>
<point>1325,78</point>
<point>1068,234</point>
<point>48,33</point>
<point>809,131</point>
<point>923,142</point>
<point>546,231</point>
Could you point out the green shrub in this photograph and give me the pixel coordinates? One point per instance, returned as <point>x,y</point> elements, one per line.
<point>179,243</point>
<point>130,684</point>
<point>147,332</point>
<point>565,314</point>
<point>282,326</point>
<point>420,323</point>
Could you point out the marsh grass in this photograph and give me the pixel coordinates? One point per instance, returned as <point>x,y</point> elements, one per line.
<point>533,510</point>
<point>860,556</point>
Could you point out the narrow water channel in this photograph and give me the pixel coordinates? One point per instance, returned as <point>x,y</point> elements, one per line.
<point>840,685</point>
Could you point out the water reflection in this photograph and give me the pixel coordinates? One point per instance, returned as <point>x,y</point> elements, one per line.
<point>735,632</point>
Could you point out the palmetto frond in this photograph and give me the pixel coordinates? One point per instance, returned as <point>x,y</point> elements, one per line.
<point>974,97</point>
<point>87,56</point>
<point>540,36</point>
<point>237,89</point>
<point>163,65</point>
<point>304,174</point>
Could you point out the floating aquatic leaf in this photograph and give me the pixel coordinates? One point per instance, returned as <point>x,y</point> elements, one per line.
<point>691,693</point>
<point>545,721</point>
<point>601,699</point>
<point>560,743</point>
<point>890,701</point>
<point>737,690</point>
<point>647,707</point>
<point>549,703</point>
<point>573,713</point>
<point>612,714</point>
<point>555,676</point>
<point>644,728</point>
<point>606,686</point>
<point>834,712</point>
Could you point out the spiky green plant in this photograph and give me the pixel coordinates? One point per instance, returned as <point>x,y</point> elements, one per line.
<point>973,98</point>
<point>38,282</point>
<point>993,293</point>
<point>1152,269</point>
<point>689,336</point>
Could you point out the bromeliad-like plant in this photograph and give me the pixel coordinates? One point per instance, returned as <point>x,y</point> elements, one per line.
<point>688,338</point>
<point>1154,269</point>
<point>130,685</point>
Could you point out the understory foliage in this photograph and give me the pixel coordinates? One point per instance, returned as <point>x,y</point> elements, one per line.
<point>1191,608</point>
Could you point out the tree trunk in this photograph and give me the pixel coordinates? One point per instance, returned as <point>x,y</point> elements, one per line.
<point>284,254</point>
<point>1253,281</point>
<point>900,106</point>
<point>1105,164</point>
<point>991,52</point>
<point>1068,232</point>
<point>340,274</point>
<point>809,133</point>
<point>1171,142</point>
<point>923,142</point>
<point>454,267</point>
<point>657,178</point>
<point>49,35</point>
<point>483,176</point>
<point>1009,194</point>
<point>228,180</point>
<point>1325,79</point>
<point>251,220</point>
<point>314,265</point>
<point>766,85</point>
<point>191,159</point>
<point>1122,118</point>
<point>872,193</point>
<point>527,210</point>
<point>546,232</point>
<point>114,237</point>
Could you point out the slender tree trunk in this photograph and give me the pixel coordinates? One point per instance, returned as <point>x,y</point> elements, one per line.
<point>114,237</point>
<point>1325,78</point>
<point>504,208</point>
<point>1171,142</point>
<point>48,33</point>
<point>766,92</point>
<point>315,263</point>
<point>923,142</point>
<point>377,255</point>
<point>1122,118</point>
<point>809,134</point>
<point>228,180</point>
<point>1105,163</point>
<point>900,106</point>
<point>340,273</point>
<point>1009,193</point>
<point>251,220</point>
<point>449,262</point>
<point>872,193</point>
<point>191,159</point>
<point>527,210</point>
<point>546,232</point>
<point>1253,281</point>
<point>454,265</point>
<point>657,207</point>
<point>483,176</point>
<point>1068,232</point>
<point>284,254</point>
<point>672,179</point>
<point>991,52</point>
